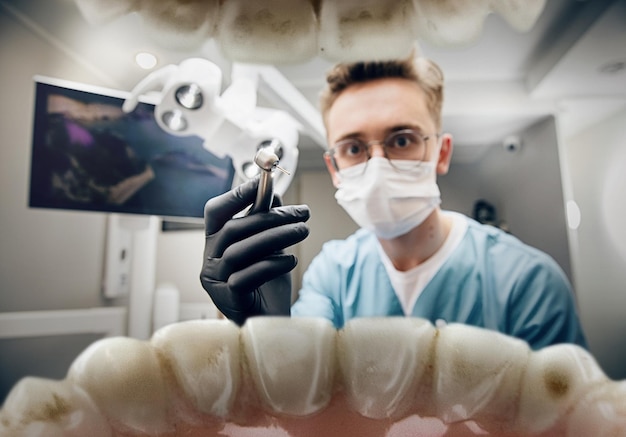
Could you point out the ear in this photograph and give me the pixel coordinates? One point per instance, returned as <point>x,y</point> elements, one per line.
<point>332,170</point>
<point>445,154</point>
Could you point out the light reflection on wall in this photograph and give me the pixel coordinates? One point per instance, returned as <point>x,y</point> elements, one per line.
<point>614,202</point>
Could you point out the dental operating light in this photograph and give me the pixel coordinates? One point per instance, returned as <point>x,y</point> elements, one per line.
<point>230,124</point>
<point>190,96</point>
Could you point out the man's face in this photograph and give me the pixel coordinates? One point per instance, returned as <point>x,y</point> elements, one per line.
<point>372,110</point>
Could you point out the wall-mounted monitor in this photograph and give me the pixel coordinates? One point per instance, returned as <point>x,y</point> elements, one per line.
<point>88,155</point>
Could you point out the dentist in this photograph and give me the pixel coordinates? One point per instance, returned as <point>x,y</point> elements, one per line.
<point>410,258</point>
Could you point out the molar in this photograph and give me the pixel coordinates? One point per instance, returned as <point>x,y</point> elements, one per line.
<point>291,362</point>
<point>204,358</point>
<point>556,377</point>
<point>124,379</point>
<point>37,407</point>
<point>382,362</point>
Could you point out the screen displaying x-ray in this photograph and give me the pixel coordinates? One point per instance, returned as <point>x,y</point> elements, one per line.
<point>87,154</point>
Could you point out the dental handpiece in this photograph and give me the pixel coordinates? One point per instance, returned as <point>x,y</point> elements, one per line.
<point>267,160</point>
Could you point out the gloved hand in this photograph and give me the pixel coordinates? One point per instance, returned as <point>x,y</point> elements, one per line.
<point>245,270</point>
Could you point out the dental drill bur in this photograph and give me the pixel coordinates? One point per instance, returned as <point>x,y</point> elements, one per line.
<point>267,160</point>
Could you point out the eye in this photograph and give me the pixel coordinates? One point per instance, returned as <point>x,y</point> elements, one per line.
<point>403,140</point>
<point>350,149</point>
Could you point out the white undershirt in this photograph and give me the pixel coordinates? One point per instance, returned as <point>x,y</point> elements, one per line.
<point>409,285</point>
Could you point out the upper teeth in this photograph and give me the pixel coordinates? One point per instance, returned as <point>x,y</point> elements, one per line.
<point>287,31</point>
<point>200,374</point>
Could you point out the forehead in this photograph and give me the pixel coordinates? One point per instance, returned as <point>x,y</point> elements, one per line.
<point>373,108</point>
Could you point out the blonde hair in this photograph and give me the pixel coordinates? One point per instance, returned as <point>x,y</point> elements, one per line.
<point>420,70</point>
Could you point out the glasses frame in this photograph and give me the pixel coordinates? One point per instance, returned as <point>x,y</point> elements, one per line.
<point>330,153</point>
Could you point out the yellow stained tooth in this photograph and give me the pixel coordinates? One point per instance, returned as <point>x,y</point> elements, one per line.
<point>204,357</point>
<point>180,24</point>
<point>123,377</point>
<point>555,378</point>
<point>600,413</point>
<point>268,31</point>
<point>478,374</point>
<point>382,361</point>
<point>291,362</point>
<point>366,29</point>
<point>452,22</point>
<point>47,408</point>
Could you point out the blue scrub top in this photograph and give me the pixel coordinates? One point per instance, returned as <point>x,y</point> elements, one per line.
<point>491,280</point>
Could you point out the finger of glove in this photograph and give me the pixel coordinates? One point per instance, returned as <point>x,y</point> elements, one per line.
<point>219,209</point>
<point>242,228</point>
<point>257,274</point>
<point>277,200</point>
<point>249,251</point>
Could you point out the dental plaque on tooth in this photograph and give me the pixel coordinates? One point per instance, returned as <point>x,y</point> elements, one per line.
<point>277,376</point>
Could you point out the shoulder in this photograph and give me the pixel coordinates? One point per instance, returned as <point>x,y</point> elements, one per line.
<point>509,263</point>
<point>503,246</point>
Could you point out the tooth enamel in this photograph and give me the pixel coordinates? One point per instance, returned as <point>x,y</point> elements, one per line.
<point>291,362</point>
<point>123,377</point>
<point>41,407</point>
<point>382,362</point>
<point>555,378</point>
<point>204,358</point>
<point>601,413</point>
<point>471,382</point>
<point>452,22</point>
<point>180,24</point>
<point>265,30</point>
<point>366,29</point>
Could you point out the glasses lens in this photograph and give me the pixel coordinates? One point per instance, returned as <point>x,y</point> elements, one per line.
<point>408,146</point>
<point>348,153</point>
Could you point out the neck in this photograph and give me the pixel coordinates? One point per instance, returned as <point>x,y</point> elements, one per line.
<point>419,244</point>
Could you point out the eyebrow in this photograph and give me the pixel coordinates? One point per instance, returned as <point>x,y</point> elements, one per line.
<point>388,131</point>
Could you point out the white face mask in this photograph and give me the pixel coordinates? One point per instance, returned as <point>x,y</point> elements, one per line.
<point>387,201</point>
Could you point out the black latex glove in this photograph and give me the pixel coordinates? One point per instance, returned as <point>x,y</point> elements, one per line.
<point>245,270</point>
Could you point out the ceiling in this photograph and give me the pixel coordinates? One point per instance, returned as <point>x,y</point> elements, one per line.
<point>571,62</point>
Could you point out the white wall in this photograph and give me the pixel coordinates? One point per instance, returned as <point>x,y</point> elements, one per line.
<point>596,158</point>
<point>48,259</point>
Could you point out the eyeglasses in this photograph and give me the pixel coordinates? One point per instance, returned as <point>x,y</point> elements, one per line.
<point>404,145</point>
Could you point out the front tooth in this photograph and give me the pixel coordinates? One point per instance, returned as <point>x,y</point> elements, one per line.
<point>123,377</point>
<point>291,362</point>
<point>478,374</point>
<point>600,413</point>
<point>555,378</point>
<point>204,358</point>
<point>37,407</point>
<point>366,29</point>
<point>268,31</point>
<point>382,362</point>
